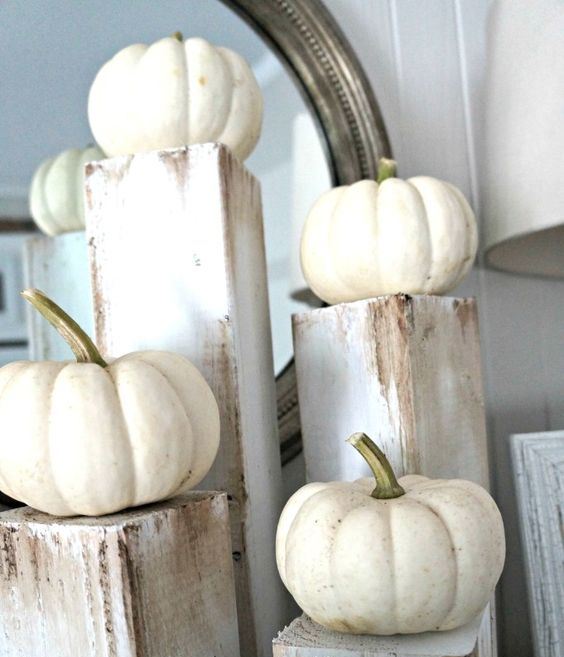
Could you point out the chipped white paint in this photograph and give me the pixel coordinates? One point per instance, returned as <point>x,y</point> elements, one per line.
<point>150,582</point>
<point>177,255</point>
<point>538,462</point>
<point>406,371</point>
<point>305,638</point>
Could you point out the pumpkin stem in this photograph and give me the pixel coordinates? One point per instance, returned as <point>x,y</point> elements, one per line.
<point>387,486</point>
<point>386,169</point>
<point>82,346</point>
<point>178,36</point>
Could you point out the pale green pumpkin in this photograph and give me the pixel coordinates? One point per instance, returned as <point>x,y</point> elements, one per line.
<point>56,197</point>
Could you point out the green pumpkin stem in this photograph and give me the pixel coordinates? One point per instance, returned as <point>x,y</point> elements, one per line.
<point>82,346</point>
<point>386,169</point>
<point>387,486</point>
<point>178,36</point>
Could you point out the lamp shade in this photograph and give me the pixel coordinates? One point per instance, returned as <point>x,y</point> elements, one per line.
<point>523,170</point>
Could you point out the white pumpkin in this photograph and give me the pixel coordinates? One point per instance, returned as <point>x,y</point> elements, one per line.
<point>411,557</point>
<point>174,93</point>
<point>88,438</point>
<point>56,196</point>
<point>417,236</point>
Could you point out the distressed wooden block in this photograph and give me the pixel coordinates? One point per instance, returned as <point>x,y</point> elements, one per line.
<point>305,638</point>
<point>153,582</point>
<point>406,371</point>
<point>59,267</point>
<point>178,263</point>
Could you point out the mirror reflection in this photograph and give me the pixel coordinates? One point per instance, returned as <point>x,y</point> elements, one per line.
<point>44,84</point>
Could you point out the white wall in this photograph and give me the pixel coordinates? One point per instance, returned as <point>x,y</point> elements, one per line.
<point>427,62</point>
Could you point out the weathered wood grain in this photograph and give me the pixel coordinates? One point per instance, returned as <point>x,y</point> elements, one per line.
<point>153,582</point>
<point>538,462</point>
<point>305,638</point>
<point>178,263</point>
<point>405,370</point>
<point>59,267</point>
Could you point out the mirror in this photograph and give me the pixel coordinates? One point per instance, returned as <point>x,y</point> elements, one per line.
<point>50,57</point>
<point>48,76</point>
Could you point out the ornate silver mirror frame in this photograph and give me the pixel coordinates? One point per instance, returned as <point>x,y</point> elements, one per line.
<point>313,47</point>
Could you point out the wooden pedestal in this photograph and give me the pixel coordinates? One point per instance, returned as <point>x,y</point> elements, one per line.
<point>178,263</point>
<point>153,582</point>
<point>304,638</point>
<point>405,370</point>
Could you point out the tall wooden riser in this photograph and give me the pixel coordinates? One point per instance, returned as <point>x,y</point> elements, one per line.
<point>406,370</point>
<point>178,263</point>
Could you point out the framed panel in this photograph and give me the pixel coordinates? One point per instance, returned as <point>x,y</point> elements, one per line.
<point>538,467</point>
<point>12,312</point>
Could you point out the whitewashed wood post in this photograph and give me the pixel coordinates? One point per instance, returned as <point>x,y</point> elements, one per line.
<point>305,638</point>
<point>405,370</point>
<point>59,267</point>
<point>178,263</point>
<point>151,582</point>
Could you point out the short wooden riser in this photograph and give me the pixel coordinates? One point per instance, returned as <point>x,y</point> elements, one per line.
<point>152,582</point>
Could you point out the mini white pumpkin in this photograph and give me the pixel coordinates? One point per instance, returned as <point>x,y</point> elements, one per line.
<point>88,438</point>
<point>407,557</point>
<point>56,197</point>
<point>174,93</point>
<point>390,236</point>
